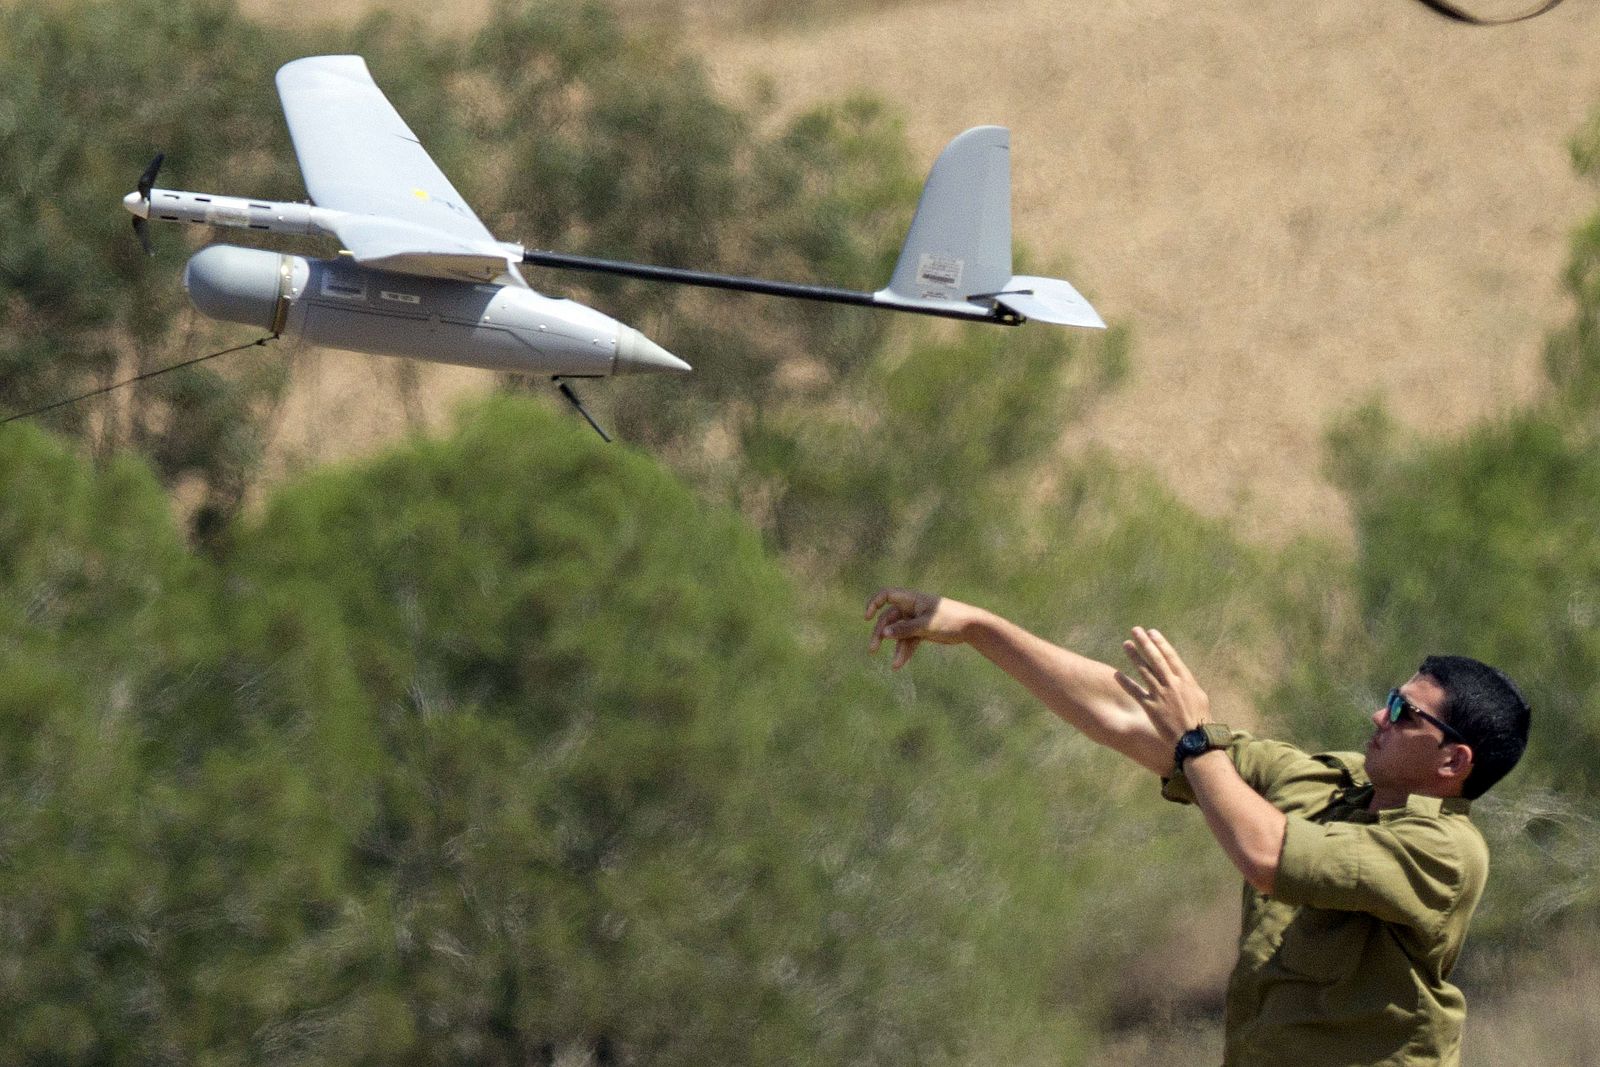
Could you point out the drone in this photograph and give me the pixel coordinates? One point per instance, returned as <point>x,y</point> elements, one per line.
<point>422,277</point>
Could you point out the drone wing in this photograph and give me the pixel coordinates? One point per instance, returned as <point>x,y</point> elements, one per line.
<point>395,208</point>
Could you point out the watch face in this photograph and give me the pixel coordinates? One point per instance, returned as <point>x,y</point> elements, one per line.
<point>1194,742</point>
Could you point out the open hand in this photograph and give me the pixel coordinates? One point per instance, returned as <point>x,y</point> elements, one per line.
<point>1170,695</point>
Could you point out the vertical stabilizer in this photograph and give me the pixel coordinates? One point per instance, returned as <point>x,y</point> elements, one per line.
<point>960,240</point>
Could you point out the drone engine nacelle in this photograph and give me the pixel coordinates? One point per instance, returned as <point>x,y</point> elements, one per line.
<point>339,304</point>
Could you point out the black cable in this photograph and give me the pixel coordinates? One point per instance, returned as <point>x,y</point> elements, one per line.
<point>1451,11</point>
<point>130,381</point>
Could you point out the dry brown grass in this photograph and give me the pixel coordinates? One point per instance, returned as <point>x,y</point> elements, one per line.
<point>1541,1013</point>
<point>1297,207</point>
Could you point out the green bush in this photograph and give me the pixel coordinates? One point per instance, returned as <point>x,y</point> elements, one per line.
<point>502,746</point>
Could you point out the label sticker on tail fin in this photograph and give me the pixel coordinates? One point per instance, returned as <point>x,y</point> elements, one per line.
<point>939,274</point>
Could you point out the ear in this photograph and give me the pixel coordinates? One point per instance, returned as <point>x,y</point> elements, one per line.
<point>1458,764</point>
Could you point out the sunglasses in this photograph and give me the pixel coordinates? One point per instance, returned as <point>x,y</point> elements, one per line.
<point>1399,707</point>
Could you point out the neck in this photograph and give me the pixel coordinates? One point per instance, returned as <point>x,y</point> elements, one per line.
<point>1386,797</point>
<point>1383,799</point>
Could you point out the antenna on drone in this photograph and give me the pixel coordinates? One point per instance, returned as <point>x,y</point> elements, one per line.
<point>572,398</point>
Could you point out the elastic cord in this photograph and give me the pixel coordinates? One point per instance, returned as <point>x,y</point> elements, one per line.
<point>130,381</point>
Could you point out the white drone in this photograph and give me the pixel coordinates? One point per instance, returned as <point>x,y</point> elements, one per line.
<point>424,278</point>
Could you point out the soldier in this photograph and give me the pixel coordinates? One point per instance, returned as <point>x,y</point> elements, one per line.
<point>1362,870</point>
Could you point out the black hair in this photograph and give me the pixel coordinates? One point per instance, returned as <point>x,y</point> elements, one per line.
<point>1488,709</point>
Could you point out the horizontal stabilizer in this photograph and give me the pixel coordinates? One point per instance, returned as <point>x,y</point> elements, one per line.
<point>1048,300</point>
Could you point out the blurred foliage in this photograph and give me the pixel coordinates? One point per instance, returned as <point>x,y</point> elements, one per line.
<point>430,766</point>
<point>93,91</point>
<point>865,487</point>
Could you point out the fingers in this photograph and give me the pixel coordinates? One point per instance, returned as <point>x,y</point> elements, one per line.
<point>895,608</point>
<point>880,628</point>
<point>902,614</point>
<point>903,598</point>
<point>1131,687</point>
<point>1146,657</point>
<point>1174,662</point>
<point>894,603</point>
<point>907,618</point>
<point>1155,658</point>
<point>896,623</point>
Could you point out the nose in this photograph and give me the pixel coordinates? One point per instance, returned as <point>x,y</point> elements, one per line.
<point>1380,718</point>
<point>637,354</point>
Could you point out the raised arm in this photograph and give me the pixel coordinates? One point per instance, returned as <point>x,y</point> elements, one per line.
<point>1082,691</point>
<point>1246,825</point>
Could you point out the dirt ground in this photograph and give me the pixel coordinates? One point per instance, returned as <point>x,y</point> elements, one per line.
<point>1295,207</point>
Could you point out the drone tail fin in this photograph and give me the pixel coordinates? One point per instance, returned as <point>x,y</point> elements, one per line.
<point>957,256</point>
<point>959,244</point>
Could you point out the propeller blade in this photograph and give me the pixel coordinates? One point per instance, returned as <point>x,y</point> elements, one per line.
<point>139,203</point>
<point>147,180</point>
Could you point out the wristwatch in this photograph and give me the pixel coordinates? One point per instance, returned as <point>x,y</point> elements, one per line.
<point>1201,739</point>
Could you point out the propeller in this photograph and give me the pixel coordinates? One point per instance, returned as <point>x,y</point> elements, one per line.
<point>147,181</point>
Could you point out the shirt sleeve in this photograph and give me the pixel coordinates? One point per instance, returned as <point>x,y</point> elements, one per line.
<point>1264,765</point>
<point>1407,871</point>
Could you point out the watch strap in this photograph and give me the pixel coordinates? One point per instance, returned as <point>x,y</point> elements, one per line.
<point>1214,734</point>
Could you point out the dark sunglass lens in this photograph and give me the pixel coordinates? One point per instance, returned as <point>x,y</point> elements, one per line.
<point>1397,705</point>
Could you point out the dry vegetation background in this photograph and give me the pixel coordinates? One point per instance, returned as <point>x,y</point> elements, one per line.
<point>1295,207</point>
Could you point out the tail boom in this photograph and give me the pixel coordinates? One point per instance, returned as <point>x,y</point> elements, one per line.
<point>955,262</point>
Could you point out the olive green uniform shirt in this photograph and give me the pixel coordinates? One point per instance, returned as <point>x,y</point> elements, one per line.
<point>1346,963</point>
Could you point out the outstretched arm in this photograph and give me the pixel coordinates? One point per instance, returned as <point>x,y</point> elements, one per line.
<point>1082,691</point>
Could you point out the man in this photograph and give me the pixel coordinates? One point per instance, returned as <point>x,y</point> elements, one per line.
<point>1361,870</point>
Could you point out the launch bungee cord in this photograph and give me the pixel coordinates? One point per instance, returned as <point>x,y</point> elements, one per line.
<point>136,378</point>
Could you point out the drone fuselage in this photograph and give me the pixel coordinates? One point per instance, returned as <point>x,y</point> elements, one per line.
<point>339,304</point>
<point>500,325</point>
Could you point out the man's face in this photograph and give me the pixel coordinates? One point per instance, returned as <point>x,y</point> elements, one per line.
<point>1407,755</point>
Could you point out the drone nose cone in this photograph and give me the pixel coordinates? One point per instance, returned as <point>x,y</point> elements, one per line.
<point>637,354</point>
<point>137,205</point>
